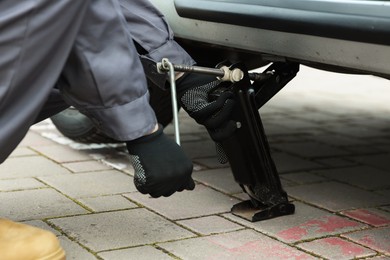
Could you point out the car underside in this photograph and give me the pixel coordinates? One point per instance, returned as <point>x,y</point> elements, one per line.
<point>345,36</point>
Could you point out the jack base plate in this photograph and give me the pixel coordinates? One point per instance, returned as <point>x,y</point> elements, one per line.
<point>247,211</point>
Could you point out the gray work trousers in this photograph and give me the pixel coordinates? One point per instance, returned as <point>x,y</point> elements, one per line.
<point>86,42</point>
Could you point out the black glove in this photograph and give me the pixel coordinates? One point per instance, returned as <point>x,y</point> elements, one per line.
<point>193,94</point>
<point>161,166</point>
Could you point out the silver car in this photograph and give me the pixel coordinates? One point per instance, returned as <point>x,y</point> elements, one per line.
<point>342,35</point>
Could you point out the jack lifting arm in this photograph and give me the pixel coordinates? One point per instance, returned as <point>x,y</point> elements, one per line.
<point>247,149</point>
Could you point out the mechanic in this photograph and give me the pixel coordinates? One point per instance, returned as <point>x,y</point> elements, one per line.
<point>86,49</point>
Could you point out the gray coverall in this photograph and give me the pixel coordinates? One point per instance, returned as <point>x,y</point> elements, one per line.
<point>88,44</point>
<point>151,31</point>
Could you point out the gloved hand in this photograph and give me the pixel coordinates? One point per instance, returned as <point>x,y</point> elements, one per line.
<point>193,94</point>
<point>161,166</point>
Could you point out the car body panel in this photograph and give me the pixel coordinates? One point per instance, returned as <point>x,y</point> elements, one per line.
<point>350,53</point>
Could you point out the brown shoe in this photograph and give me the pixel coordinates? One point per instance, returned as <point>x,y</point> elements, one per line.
<point>20,241</point>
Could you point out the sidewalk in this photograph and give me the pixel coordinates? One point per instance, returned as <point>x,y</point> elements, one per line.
<point>330,138</point>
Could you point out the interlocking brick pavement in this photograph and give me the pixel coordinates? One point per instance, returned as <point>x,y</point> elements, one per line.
<point>107,203</point>
<point>336,248</point>
<point>91,184</point>
<point>220,179</point>
<point>307,223</point>
<point>341,197</point>
<point>37,204</point>
<point>329,138</point>
<point>246,244</point>
<point>377,239</point>
<point>366,177</point>
<point>210,225</point>
<point>126,228</point>
<point>36,166</point>
<point>373,217</point>
<point>87,166</point>
<point>202,201</point>
<point>140,253</point>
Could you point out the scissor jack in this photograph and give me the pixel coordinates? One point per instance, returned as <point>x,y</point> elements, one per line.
<point>247,149</point>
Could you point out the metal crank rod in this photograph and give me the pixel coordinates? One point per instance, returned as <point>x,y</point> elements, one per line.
<point>224,73</point>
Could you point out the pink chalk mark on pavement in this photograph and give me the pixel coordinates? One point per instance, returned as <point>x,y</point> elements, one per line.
<point>327,224</point>
<point>368,217</point>
<point>376,244</point>
<point>254,250</point>
<point>347,248</point>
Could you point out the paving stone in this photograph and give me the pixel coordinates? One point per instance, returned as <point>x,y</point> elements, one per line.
<point>245,244</point>
<point>199,149</point>
<point>119,229</point>
<point>336,140</point>
<point>87,166</point>
<point>310,149</point>
<point>381,142</point>
<point>55,136</point>
<point>303,177</point>
<point>107,203</point>
<point>242,196</point>
<point>309,132</point>
<point>42,225</point>
<point>285,182</point>
<point>376,239</point>
<point>385,193</point>
<point>92,184</point>
<point>295,123</point>
<point>211,162</point>
<point>289,163</point>
<point>220,179</point>
<point>272,129</point>
<point>362,149</point>
<point>36,204</point>
<point>44,124</point>
<point>306,223</point>
<point>34,139</point>
<point>20,184</point>
<point>379,161</point>
<point>362,176</point>
<point>384,146</point>
<point>269,110</point>
<point>200,202</point>
<point>372,217</point>
<point>353,131</point>
<point>336,196</point>
<point>22,151</point>
<point>376,121</point>
<point>296,137</point>
<point>107,148</point>
<point>74,251</point>
<point>62,154</point>
<point>120,162</point>
<point>336,248</point>
<point>139,253</point>
<point>210,225</point>
<point>31,166</point>
<point>335,162</point>
<point>318,116</point>
<point>198,167</point>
